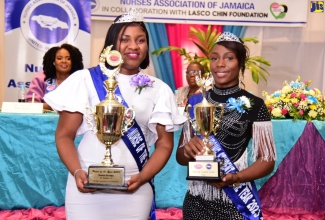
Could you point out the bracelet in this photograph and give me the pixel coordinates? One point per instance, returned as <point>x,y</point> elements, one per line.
<point>75,172</point>
<point>186,155</point>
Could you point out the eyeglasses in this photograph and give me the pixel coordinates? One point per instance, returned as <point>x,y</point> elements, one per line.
<point>193,72</point>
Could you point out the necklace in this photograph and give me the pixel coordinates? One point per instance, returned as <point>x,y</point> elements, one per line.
<point>223,93</point>
<point>226,91</point>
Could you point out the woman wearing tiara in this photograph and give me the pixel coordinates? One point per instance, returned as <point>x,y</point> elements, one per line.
<point>245,117</point>
<point>156,114</point>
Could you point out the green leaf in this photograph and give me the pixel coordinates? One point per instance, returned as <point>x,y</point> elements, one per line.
<point>205,41</point>
<point>250,39</point>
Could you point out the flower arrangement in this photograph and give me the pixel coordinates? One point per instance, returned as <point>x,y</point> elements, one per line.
<point>241,104</point>
<point>296,100</point>
<point>141,81</point>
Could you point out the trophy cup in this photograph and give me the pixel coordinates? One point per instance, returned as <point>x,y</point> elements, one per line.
<point>112,120</point>
<point>205,167</point>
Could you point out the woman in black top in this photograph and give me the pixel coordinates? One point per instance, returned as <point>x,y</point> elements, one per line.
<point>245,117</point>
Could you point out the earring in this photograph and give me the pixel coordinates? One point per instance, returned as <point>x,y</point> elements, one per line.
<point>241,81</point>
<point>53,63</point>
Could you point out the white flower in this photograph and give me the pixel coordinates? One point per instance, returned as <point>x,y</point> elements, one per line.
<point>286,89</point>
<point>246,101</point>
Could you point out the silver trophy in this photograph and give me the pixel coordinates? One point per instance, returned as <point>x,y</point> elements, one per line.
<point>112,121</point>
<point>205,167</point>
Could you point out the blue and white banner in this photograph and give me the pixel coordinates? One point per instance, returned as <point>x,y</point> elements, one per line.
<point>34,26</point>
<point>234,12</point>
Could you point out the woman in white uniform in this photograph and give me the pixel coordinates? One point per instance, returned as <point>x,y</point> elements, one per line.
<point>156,114</point>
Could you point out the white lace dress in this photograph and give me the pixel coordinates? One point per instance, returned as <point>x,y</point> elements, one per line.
<point>154,105</point>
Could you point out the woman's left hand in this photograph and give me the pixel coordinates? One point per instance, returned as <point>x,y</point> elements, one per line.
<point>134,183</point>
<point>228,180</point>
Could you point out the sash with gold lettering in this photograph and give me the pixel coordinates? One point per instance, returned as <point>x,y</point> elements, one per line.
<point>133,138</point>
<point>245,199</point>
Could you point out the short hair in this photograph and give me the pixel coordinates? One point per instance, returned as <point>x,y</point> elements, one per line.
<point>49,58</point>
<point>113,35</point>
<point>196,63</point>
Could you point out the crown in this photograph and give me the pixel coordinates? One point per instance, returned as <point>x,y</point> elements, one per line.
<point>227,36</point>
<point>132,16</point>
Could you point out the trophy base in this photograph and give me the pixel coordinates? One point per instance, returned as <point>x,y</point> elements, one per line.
<point>205,170</point>
<point>208,179</point>
<point>93,186</point>
<point>106,177</point>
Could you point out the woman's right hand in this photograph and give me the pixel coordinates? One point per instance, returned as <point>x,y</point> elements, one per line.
<point>194,147</point>
<point>81,179</point>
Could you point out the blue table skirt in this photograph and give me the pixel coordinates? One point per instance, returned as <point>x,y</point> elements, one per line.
<point>32,174</point>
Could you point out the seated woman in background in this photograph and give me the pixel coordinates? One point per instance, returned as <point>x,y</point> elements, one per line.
<point>58,64</point>
<point>183,94</point>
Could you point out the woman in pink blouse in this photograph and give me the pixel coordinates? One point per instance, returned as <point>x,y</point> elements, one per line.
<point>58,64</point>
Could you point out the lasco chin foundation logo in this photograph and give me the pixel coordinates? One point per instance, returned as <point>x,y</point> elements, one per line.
<point>278,11</point>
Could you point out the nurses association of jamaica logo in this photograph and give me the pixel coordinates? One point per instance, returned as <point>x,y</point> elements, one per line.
<point>48,23</point>
<point>278,11</point>
<point>94,4</point>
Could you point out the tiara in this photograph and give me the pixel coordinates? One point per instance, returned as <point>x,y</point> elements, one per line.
<point>227,36</point>
<point>132,16</point>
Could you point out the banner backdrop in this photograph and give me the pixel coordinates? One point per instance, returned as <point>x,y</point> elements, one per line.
<point>34,26</point>
<point>235,12</point>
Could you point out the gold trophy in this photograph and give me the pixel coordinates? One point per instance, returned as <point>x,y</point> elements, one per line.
<point>112,120</point>
<point>205,166</point>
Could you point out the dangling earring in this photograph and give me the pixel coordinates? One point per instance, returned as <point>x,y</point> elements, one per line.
<point>241,81</point>
<point>54,63</point>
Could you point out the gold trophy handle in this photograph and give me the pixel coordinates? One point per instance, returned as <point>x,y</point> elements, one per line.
<point>188,107</point>
<point>218,120</point>
<point>191,120</point>
<point>129,116</point>
<point>88,117</point>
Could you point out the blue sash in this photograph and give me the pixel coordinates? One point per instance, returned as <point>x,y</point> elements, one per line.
<point>133,138</point>
<point>245,199</point>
